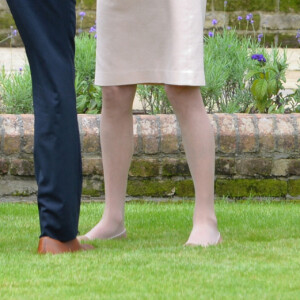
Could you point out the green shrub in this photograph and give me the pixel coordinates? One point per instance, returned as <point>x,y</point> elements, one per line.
<point>16,92</point>
<point>267,78</point>
<point>89,96</point>
<point>154,99</point>
<point>226,60</point>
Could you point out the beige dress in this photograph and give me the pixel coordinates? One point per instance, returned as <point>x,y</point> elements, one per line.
<point>150,41</point>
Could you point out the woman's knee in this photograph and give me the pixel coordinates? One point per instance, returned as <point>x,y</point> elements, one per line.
<point>118,98</point>
<point>175,92</point>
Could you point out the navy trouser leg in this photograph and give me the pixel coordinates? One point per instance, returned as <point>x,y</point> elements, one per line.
<point>47,28</point>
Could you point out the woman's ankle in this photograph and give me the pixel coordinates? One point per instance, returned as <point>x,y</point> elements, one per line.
<point>205,220</point>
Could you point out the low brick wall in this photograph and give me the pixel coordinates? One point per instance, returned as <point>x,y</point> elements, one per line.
<point>257,155</point>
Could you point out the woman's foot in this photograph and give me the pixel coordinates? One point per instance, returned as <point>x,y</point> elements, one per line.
<point>105,230</point>
<point>204,235</point>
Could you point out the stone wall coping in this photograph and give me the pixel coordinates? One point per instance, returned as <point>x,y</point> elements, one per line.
<point>266,134</point>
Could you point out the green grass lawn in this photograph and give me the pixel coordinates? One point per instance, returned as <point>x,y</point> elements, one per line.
<point>259,259</point>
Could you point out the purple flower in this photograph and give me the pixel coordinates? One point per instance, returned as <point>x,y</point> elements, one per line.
<point>228,28</point>
<point>95,36</point>
<point>260,35</point>
<point>214,22</point>
<point>225,3</point>
<point>298,34</point>
<point>20,69</point>
<point>252,21</point>
<point>82,14</point>
<point>240,18</point>
<point>13,31</point>
<point>258,57</point>
<point>92,29</point>
<point>259,40</point>
<point>249,17</point>
<point>211,34</point>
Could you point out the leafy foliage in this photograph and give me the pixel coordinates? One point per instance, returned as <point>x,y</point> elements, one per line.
<point>154,99</point>
<point>266,85</point>
<point>89,96</point>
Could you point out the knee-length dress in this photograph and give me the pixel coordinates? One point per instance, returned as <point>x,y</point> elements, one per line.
<point>150,41</point>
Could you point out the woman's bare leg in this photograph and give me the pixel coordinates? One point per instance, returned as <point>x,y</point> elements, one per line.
<point>199,144</point>
<point>116,134</point>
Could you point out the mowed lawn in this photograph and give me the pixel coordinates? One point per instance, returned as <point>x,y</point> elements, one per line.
<point>259,258</point>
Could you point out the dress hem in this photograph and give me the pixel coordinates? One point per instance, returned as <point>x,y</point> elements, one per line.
<point>172,78</point>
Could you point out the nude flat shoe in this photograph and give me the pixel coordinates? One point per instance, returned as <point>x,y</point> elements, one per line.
<point>218,241</point>
<point>121,235</point>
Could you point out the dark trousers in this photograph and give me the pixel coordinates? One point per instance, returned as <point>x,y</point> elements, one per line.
<point>47,28</point>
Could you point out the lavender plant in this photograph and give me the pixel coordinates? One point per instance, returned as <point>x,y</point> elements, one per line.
<point>226,60</point>
<point>154,99</point>
<point>13,33</point>
<point>89,96</point>
<point>16,91</point>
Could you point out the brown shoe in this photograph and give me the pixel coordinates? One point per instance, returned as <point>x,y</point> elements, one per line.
<point>49,245</point>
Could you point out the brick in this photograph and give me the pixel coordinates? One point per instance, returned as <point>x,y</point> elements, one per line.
<point>220,16</point>
<point>4,166</point>
<point>22,167</point>
<point>28,129</point>
<point>280,167</point>
<point>136,143</point>
<point>144,168</point>
<point>12,137</point>
<point>288,40</point>
<point>297,123</point>
<point>149,134</point>
<point>175,167</point>
<point>285,134</point>
<point>225,166</point>
<point>294,167</point>
<point>284,167</point>
<point>11,187</point>
<point>251,187</point>
<point>254,166</point>
<point>90,134</point>
<point>213,122</point>
<point>92,186</point>
<point>168,129</point>
<point>247,135</point>
<point>185,188</point>
<point>227,133</point>
<point>281,21</point>
<point>153,188</point>
<point>294,187</point>
<point>266,135</point>
<point>92,166</point>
